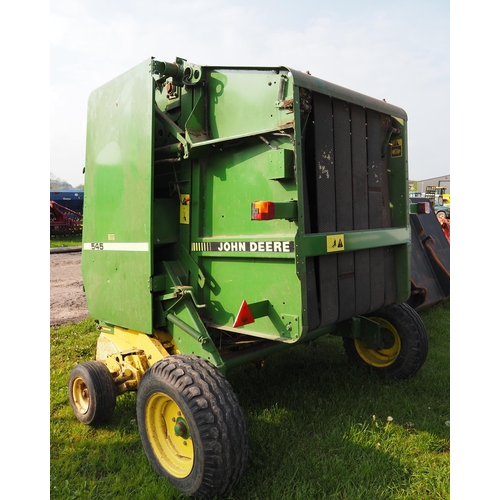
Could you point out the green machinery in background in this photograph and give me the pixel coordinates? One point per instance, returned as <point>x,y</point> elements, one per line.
<point>232,212</point>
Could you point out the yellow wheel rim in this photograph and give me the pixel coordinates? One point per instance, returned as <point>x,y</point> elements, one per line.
<point>80,394</point>
<point>169,435</point>
<point>386,356</point>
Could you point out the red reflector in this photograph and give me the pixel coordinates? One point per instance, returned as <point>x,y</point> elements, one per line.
<point>262,210</point>
<point>424,207</point>
<point>244,316</point>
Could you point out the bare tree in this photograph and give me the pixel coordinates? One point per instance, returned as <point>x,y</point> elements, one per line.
<point>57,184</point>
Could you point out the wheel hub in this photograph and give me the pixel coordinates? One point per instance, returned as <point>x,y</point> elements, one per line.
<point>387,354</point>
<point>81,396</point>
<point>181,428</point>
<point>388,339</point>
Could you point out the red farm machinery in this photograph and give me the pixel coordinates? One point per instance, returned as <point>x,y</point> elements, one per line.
<point>66,212</point>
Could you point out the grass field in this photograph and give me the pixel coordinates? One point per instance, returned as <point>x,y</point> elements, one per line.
<point>318,428</point>
<point>73,240</point>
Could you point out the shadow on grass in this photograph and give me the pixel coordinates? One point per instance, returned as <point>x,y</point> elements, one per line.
<point>306,410</point>
<point>311,433</point>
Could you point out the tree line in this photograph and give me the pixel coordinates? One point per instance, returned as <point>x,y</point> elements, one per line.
<point>57,184</point>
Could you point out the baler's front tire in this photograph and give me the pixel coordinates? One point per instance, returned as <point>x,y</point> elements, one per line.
<point>191,426</point>
<point>405,343</point>
<point>92,392</point>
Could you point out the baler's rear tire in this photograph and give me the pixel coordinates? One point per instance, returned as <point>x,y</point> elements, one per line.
<point>191,426</point>
<point>405,343</point>
<point>92,392</point>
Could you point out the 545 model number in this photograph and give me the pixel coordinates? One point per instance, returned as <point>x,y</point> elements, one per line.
<point>97,246</point>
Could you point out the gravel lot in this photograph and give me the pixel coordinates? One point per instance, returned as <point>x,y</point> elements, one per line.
<point>67,298</point>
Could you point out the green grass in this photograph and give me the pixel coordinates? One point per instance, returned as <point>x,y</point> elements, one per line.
<point>318,428</point>
<point>72,240</point>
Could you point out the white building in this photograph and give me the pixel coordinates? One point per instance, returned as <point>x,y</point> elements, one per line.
<point>443,180</point>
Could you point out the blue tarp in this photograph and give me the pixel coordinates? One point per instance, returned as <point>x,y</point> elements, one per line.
<point>72,199</point>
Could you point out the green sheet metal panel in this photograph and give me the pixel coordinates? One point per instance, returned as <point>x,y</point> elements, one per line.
<point>246,135</point>
<point>232,180</point>
<point>117,249</point>
<point>245,259</point>
<point>255,116</point>
<point>257,278</point>
<point>246,101</point>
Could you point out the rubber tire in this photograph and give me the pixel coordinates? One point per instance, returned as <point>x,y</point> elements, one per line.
<point>215,419</point>
<point>100,391</point>
<point>441,215</point>
<point>412,335</point>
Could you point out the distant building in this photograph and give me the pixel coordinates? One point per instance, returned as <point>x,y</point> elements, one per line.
<point>419,186</point>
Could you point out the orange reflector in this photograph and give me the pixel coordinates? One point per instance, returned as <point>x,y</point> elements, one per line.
<point>262,210</point>
<point>244,316</point>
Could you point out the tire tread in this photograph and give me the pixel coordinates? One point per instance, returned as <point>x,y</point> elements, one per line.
<point>219,418</point>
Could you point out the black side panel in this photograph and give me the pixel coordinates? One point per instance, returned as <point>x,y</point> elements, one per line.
<point>344,203</point>
<point>389,262</point>
<point>377,272</point>
<point>310,224</point>
<point>360,208</point>
<point>326,206</point>
<point>347,188</point>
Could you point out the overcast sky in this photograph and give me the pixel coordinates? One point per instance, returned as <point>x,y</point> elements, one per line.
<point>398,51</point>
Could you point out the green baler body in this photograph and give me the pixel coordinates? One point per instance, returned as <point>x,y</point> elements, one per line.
<point>177,154</point>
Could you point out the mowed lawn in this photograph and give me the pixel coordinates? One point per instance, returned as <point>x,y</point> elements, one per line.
<point>318,427</point>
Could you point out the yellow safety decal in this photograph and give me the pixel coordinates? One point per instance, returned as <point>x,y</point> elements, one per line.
<point>335,243</point>
<point>397,148</point>
<point>184,211</point>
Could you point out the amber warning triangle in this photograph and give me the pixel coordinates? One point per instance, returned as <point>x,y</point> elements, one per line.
<point>244,316</point>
